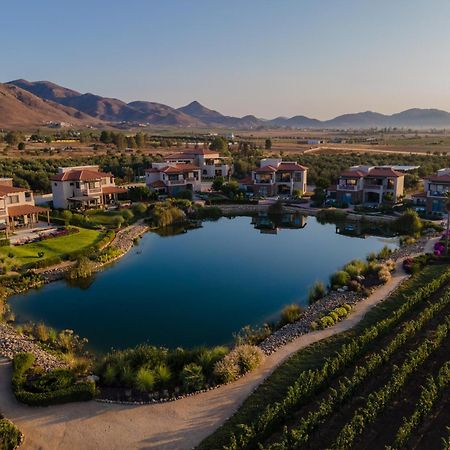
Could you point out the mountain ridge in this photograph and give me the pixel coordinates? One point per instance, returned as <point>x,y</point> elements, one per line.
<point>88,108</point>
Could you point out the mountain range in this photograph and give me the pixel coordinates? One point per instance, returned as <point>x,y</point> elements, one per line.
<point>35,103</point>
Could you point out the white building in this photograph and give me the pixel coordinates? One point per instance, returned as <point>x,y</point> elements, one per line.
<point>277,177</point>
<point>210,163</point>
<point>171,178</point>
<point>83,187</point>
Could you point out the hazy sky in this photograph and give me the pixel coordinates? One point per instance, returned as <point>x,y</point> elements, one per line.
<point>281,57</point>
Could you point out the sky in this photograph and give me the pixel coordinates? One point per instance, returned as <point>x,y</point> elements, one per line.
<point>318,58</point>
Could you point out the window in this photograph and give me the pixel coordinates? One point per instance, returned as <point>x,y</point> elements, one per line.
<point>13,199</point>
<point>70,183</point>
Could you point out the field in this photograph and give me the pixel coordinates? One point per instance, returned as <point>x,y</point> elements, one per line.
<point>54,247</point>
<point>384,383</point>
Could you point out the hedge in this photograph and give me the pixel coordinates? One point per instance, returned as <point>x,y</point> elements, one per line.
<point>10,435</point>
<point>22,362</point>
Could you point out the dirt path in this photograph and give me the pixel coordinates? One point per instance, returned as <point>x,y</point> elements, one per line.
<point>177,425</point>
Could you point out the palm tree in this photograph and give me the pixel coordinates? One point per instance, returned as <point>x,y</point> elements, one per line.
<point>447,207</point>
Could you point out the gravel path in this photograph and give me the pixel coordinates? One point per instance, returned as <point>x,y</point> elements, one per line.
<point>176,425</point>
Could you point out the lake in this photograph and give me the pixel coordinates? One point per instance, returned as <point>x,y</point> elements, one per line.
<point>197,287</point>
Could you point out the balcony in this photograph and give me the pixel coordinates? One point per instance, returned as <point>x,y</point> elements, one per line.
<point>348,187</point>
<point>258,181</point>
<point>440,194</point>
<point>373,187</point>
<point>176,182</point>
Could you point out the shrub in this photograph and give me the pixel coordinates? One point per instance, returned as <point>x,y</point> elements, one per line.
<point>22,362</point>
<point>126,375</point>
<point>252,335</point>
<point>82,269</point>
<point>52,381</point>
<point>163,374</point>
<point>408,223</point>
<point>355,268</point>
<point>10,435</point>
<point>127,214</point>
<point>316,292</point>
<point>226,370</point>
<point>248,357</point>
<point>109,375</point>
<point>290,314</point>
<point>208,358</point>
<point>384,275</point>
<point>145,380</point>
<point>40,332</point>
<point>192,377</point>
<point>384,253</point>
<point>139,209</point>
<point>339,279</point>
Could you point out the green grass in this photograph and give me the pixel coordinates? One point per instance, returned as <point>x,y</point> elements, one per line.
<point>311,357</point>
<point>105,218</point>
<point>53,247</point>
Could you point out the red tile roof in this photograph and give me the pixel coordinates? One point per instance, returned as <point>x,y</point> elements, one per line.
<point>14,211</point>
<point>179,168</point>
<point>291,167</point>
<point>79,175</point>
<point>437,179</point>
<point>384,172</point>
<point>113,190</point>
<point>5,190</point>
<point>352,173</point>
<point>158,184</point>
<point>266,169</point>
<point>174,168</point>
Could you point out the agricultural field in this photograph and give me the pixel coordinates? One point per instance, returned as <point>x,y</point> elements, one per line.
<point>383,384</point>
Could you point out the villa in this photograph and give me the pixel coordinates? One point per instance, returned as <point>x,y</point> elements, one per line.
<point>276,177</point>
<point>434,197</point>
<point>84,187</point>
<point>17,208</point>
<point>364,184</point>
<point>211,164</point>
<point>172,178</point>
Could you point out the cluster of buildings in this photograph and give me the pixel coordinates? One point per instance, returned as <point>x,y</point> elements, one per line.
<point>185,171</point>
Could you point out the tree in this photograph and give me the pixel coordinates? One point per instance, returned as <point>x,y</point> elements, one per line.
<point>268,144</point>
<point>120,141</point>
<point>105,137</point>
<point>140,139</point>
<point>14,137</point>
<point>217,183</point>
<point>219,144</point>
<point>21,146</point>
<point>139,193</point>
<point>131,141</point>
<point>409,223</point>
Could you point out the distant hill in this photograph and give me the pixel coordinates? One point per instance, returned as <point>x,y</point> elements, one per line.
<point>89,108</point>
<point>20,108</point>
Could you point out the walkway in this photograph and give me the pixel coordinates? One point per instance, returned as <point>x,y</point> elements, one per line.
<point>176,425</point>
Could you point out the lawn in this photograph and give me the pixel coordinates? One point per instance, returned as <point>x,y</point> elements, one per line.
<point>105,218</point>
<point>52,247</point>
